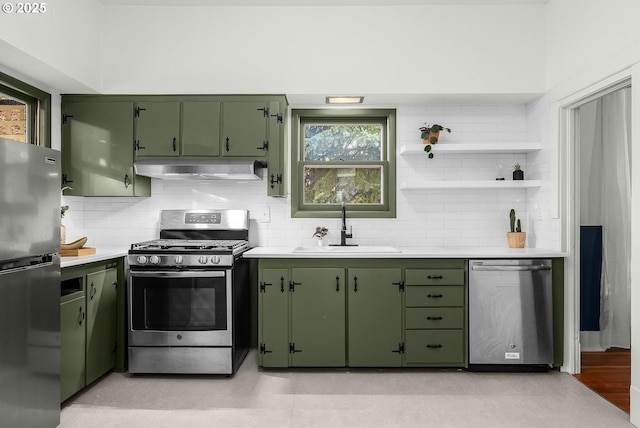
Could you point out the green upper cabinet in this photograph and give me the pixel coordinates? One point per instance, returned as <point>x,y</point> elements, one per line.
<point>317,317</point>
<point>276,155</point>
<point>244,129</point>
<point>173,128</point>
<point>375,317</point>
<point>157,128</point>
<point>201,128</point>
<point>97,148</point>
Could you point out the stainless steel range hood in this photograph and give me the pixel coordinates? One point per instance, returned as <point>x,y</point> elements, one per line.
<point>200,169</point>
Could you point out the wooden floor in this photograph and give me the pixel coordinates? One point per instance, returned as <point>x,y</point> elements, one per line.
<point>609,374</point>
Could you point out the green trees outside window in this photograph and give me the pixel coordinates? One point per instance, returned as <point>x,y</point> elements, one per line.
<point>345,155</point>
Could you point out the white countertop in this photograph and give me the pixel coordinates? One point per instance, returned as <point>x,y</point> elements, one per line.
<point>102,253</point>
<point>408,253</point>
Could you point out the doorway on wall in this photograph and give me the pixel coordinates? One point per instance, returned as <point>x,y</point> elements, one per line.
<point>602,149</point>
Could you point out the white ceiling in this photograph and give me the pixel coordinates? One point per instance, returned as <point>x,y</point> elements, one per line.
<point>316,2</point>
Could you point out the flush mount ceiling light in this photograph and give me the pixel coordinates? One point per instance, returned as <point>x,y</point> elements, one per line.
<point>344,100</point>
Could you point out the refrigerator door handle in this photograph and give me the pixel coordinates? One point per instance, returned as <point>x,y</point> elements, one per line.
<point>25,265</point>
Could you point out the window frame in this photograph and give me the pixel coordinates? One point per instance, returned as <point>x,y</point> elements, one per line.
<point>384,117</point>
<point>39,103</point>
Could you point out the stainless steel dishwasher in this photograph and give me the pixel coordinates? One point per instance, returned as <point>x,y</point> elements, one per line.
<point>510,314</point>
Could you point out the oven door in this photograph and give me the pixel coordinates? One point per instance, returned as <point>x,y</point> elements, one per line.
<point>180,308</point>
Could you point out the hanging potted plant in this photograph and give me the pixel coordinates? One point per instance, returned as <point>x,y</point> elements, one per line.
<point>518,174</point>
<point>430,135</point>
<point>516,236</point>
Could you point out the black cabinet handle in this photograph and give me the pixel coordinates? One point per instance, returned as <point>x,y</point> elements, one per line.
<point>80,316</point>
<point>127,181</point>
<point>174,144</point>
<point>337,284</point>
<point>93,291</point>
<point>435,346</point>
<point>434,318</point>
<point>292,285</point>
<point>65,179</point>
<point>435,277</point>
<point>282,284</point>
<point>355,284</point>
<point>265,146</point>
<point>137,146</point>
<point>226,144</point>
<point>434,296</point>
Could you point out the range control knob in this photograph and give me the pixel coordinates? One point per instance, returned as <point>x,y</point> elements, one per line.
<point>202,260</point>
<point>141,259</point>
<point>178,260</point>
<point>154,260</point>
<point>215,259</point>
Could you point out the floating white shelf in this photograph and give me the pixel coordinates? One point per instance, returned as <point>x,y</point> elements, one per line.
<point>471,184</point>
<point>415,149</point>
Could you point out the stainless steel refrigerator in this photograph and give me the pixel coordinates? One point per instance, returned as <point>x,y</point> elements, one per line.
<point>29,286</point>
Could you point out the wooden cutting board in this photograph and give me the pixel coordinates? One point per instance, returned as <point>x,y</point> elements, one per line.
<point>86,251</point>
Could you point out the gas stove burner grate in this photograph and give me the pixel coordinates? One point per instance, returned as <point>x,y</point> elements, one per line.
<point>189,245</point>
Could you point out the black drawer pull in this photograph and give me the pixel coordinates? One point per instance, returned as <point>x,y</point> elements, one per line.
<point>435,296</point>
<point>435,277</point>
<point>434,318</point>
<point>437,346</point>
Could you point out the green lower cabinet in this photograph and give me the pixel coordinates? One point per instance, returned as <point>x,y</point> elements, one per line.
<point>91,324</point>
<point>329,312</point>
<point>273,316</point>
<point>375,317</point>
<point>435,347</point>
<point>101,322</point>
<point>317,318</point>
<point>72,345</point>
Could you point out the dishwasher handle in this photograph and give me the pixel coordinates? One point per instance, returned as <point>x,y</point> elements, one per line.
<point>503,268</point>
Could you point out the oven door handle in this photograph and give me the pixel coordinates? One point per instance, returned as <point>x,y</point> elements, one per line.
<point>177,274</point>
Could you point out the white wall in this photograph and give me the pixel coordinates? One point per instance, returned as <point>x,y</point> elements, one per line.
<point>584,34</point>
<point>490,49</point>
<point>60,48</point>
<point>591,43</point>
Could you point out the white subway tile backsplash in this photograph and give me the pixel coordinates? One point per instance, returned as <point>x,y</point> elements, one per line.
<point>448,218</point>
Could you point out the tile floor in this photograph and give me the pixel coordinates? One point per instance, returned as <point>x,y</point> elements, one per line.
<point>341,398</point>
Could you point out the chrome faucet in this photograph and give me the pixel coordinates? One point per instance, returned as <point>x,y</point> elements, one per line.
<point>343,232</point>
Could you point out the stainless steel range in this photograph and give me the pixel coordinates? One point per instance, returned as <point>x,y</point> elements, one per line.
<point>189,294</point>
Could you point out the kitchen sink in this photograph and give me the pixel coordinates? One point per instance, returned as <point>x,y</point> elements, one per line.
<point>348,250</point>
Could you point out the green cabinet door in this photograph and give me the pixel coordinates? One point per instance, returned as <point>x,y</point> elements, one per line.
<point>157,126</point>
<point>97,149</point>
<point>72,345</point>
<point>101,322</point>
<point>375,317</point>
<point>200,128</point>
<point>318,318</point>
<point>275,155</point>
<point>273,313</point>
<point>244,129</point>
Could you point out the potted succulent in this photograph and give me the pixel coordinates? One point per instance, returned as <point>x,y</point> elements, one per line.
<point>320,233</point>
<point>516,236</point>
<point>518,174</point>
<point>430,135</point>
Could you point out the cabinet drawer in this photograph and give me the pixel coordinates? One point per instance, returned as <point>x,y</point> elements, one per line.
<point>434,318</point>
<point>435,296</point>
<point>435,276</point>
<point>434,347</point>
